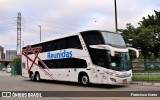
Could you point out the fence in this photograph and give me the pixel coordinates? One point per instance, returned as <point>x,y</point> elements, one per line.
<point>1,66</point>
<point>146,65</point>
<point>146,70</point>
<point>16,70</point>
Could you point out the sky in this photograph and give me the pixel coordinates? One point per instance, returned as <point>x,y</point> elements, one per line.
<point>63,17</point>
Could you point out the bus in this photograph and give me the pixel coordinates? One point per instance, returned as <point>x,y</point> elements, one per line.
<point>93,56</point>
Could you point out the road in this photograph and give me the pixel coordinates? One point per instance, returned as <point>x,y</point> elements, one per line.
<point>18,83</point>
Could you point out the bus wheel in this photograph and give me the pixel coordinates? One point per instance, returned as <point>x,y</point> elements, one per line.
<point>85,80</point>
<point>32,77</point>
<point>37,77</point>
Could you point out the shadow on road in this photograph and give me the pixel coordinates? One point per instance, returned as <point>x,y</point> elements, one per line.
<point>103,86</point>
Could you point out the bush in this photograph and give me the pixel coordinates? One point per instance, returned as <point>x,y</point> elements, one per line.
<point>16,66</point>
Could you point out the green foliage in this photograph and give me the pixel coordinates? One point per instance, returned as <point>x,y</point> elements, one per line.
<point>146,71</point>
<point>16,62</point>
<point>146,36</point>
<point>16,66</point>
<point>146,78</point>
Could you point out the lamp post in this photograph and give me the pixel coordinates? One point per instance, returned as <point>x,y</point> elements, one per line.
<point>23,43</point>
<point>40,31</point>
<point>116,25</point>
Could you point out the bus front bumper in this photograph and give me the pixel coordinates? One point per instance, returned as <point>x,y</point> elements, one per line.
<point>117,80</point>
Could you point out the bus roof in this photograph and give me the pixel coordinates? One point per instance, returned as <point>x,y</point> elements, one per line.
<point>74,34</point>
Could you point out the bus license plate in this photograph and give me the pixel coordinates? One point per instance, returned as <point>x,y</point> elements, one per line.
<point>125,81</point>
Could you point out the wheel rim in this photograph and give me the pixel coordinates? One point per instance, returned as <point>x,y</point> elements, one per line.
<point>84,80</point>
<point>37,77</point>
<point>32,77</point>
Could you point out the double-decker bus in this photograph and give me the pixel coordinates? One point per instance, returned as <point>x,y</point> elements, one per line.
<point>93,56</point>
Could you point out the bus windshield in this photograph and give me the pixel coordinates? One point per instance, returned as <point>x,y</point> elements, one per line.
<point>113,39</point>
<point>121,61</point>
<point>103,58</point>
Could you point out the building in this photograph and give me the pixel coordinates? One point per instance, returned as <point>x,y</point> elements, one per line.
<point>2,55</point>
<point>11,54</point>
<point>1,49</point>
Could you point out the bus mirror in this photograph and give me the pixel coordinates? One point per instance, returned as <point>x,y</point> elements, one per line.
<point>97,46</point>
<point>113,53</point>
<point>103,47</point>
<point>133,49</point>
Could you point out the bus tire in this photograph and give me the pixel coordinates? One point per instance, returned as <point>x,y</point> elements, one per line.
<point>37,77</point>
<point>85,80</point>
<point>32,77</point>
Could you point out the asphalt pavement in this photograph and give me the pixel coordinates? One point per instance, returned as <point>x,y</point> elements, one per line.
<point>146,83</point>
<point>10,82</point>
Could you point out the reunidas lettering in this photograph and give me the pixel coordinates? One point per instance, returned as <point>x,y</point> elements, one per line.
<point>61,54</point>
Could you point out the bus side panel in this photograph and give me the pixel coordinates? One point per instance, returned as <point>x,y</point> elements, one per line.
<point>102,77</point>
<point>24,67</point>
<point>62,74</point>
<point>45,74</point>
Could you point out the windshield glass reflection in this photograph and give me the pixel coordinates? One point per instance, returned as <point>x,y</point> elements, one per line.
<point>103,58</point>
<point>121,61</point>
<point>113,39</point>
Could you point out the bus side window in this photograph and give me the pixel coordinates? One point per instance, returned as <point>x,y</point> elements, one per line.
<point>43,47</point>
<point>80,63</point>
<point>54,46</point>
<point>74,42</point>
<point>40,64</point>
<point>49,46</point>
<point>70,63</point>
<point>62,63</point>
<point>76,63</point>
<point>53,63</point>
<point>60,44</point>
<point>92,38</point>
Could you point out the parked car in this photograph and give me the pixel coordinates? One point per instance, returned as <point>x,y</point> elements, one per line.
<point>8,70</point>
<point>3,69</point>
<point>156,67</point>
<point>151,67</point>
<point>138,67</point>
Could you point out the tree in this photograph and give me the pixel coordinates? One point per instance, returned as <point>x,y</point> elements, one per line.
<point>16,66</point>
<point>146,36</point>
<point>16,62</point>
<point>152,23</point>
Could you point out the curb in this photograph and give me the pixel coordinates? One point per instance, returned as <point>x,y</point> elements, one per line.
<point>146,83</point>
<point>16,75</point>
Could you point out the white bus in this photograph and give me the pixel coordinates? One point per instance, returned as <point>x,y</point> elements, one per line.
<point>93,56</point>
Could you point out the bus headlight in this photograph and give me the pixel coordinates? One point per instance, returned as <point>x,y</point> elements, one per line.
<point>119,75</point>
<point>112,74</point>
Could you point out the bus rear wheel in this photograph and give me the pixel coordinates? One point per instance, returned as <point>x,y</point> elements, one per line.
<point>37,77</point>
<point>32,77</point>
<point>84,80</point>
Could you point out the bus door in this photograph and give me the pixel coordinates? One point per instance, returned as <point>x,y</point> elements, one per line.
<point>100,61</point>
<point>101,75</point>
<point>94,75</point>
<point>98,75</point>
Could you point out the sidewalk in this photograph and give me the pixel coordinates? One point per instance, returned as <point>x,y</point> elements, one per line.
<point>146,83</point>
<point>4,73</point>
